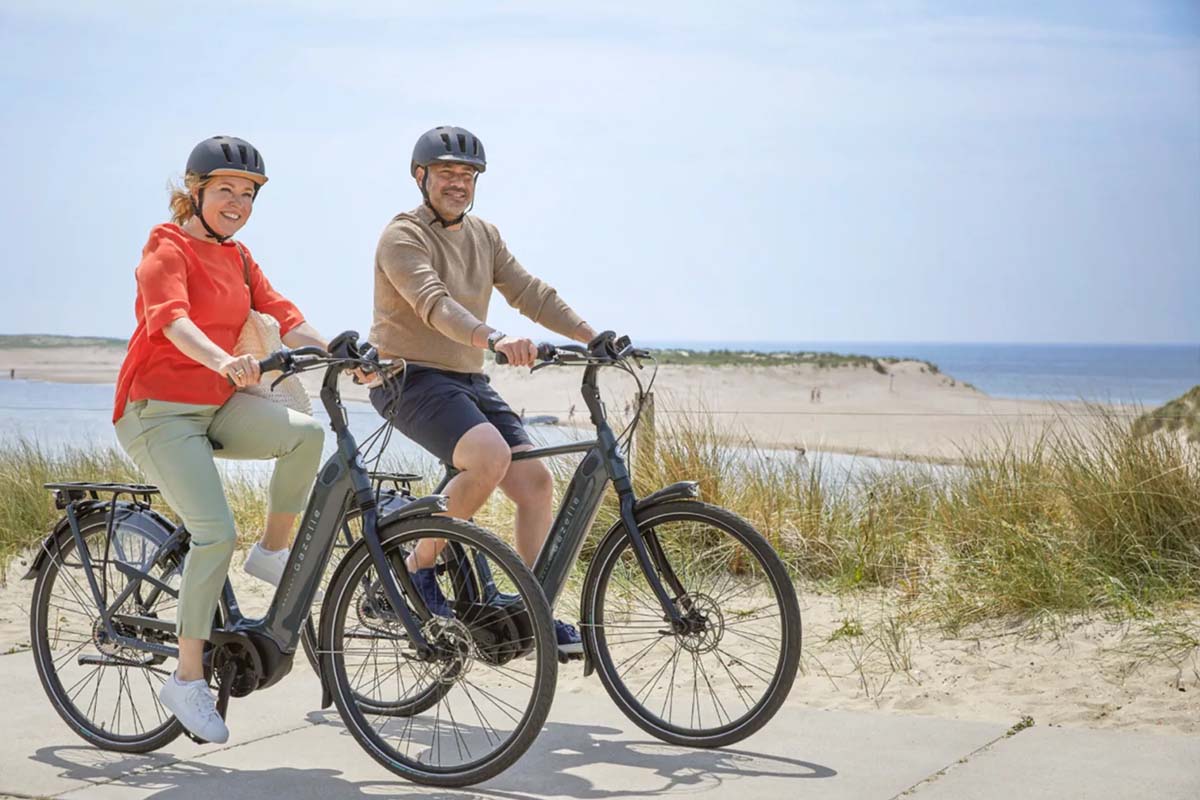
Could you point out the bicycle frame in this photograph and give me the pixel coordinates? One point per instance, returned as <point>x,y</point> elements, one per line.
<point>341,483</point>
<point>602,464</point>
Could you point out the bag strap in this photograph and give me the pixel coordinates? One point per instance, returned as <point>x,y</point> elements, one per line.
<point>245,270</point>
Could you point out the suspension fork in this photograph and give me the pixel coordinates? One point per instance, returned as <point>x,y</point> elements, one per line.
<point>650,564</point>
<point>659,557</point>
<point>395,578</point>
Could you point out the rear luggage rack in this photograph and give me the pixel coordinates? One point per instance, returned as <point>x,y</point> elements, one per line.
<point>67,492</point>
<point>401,481</point>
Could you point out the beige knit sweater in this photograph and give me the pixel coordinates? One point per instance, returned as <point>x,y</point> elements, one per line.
<point>417,264</point>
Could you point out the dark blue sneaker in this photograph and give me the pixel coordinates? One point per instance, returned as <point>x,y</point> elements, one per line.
<point>426,582</point>
<point>569,643</point>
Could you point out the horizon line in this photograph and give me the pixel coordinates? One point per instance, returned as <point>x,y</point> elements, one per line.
<point>769,341</point>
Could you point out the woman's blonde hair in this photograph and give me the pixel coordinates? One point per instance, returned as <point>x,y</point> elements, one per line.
<point>182,209</point>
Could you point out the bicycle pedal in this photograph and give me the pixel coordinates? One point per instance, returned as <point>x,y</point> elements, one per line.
<point>194,737</point>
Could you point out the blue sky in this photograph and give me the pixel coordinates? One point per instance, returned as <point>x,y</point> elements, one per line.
<point>680,171</point>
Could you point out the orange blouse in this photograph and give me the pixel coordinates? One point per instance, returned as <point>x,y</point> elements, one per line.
<point>181,276</point>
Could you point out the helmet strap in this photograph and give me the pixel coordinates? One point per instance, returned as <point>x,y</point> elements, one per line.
<point>198,209</point>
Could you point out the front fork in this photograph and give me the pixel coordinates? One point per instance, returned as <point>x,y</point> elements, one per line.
<point>394,578</point>
<point>649,553</point>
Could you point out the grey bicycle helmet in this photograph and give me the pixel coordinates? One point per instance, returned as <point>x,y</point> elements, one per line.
<point>225,155</point>
<point>448,144</point>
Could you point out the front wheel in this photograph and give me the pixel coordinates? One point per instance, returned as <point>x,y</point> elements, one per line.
<point>470,710</point>
<point>724,676</point>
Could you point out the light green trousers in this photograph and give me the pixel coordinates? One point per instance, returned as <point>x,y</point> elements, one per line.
<point>172,444</point>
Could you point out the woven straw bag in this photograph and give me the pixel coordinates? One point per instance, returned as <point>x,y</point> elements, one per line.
<point>260,337</point>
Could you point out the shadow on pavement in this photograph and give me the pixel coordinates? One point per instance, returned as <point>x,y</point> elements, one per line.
<point>551,764</point>
<point>165,778</point>
<point>550,767</point>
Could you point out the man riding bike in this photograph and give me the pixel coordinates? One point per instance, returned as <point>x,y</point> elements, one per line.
<point>435,268</point>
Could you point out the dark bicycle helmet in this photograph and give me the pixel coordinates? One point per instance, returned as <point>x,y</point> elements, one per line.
<point>225,155</point>
<point>448,144</point>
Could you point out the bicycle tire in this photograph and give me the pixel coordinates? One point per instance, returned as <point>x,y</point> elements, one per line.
<point>454,672</point>
<point>636,618</point>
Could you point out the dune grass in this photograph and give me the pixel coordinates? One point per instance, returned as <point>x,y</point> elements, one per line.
<point>1091,518</point>
<point>1181,414</point>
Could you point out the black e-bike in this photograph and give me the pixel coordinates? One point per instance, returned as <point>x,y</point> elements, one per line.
<point>687,614</point>
<point>441,700</point>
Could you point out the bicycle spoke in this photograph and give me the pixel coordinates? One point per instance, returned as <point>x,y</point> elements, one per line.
<point>759,672</point>
<point>488,729</point>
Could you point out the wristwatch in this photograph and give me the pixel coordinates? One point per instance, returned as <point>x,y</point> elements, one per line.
<point>493,338</point>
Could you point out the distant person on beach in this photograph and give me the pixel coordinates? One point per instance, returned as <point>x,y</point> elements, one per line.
<point>176,398</point>
<point>435,269</point>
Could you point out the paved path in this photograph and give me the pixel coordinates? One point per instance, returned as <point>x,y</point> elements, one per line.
<point>284,747</point>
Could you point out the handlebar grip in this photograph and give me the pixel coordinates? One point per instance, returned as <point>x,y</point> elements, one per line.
<point>545,352</point>
<point>274,362</point>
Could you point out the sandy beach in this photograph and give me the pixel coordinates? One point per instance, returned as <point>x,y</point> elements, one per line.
<point>910,412</point>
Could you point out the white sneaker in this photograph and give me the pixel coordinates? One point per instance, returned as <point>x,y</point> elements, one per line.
<point>268,565</point>
<point>195,707</point>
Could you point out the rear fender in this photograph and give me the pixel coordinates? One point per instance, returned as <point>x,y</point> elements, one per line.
<point>146,520</point>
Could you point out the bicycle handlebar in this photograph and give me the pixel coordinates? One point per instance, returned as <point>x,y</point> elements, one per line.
<point>284,358</point>
<point>344,348</point>
<point>606,348</point>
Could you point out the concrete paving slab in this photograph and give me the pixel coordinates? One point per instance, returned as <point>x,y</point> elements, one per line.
<point>588,750</point>
<point>43,756</point>
<point>1068,763</point>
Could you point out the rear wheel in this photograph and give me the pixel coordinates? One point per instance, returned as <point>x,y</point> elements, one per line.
<point>106,692</point>
<point>470,710</point>
<point>727,673</point>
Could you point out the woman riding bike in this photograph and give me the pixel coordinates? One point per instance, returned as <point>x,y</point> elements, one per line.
<point>176,398</point>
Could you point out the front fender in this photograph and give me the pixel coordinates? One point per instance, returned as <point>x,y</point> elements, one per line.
<point>421,507</point>
<point>683,490</point>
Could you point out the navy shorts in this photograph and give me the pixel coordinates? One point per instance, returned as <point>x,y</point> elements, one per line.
<point>437,407</point>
